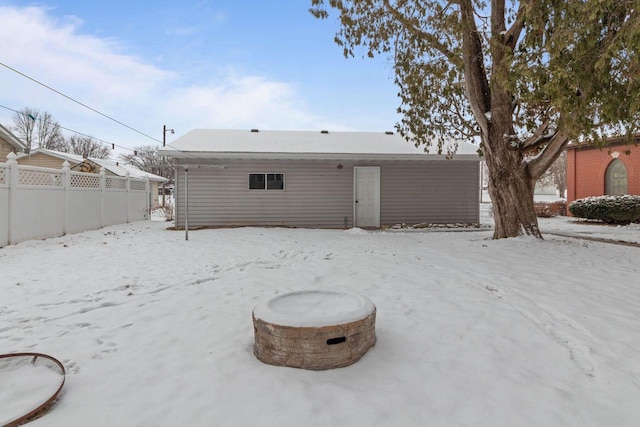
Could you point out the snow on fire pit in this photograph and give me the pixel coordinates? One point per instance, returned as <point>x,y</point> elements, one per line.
<point>314,329</point>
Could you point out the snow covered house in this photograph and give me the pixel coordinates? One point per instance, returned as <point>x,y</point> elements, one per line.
<point>46,158</point>
<point>319,179</point>
<point>9,143</point>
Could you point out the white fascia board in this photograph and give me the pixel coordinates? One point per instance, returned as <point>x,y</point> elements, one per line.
<point>11,138</point>
<point>52,153</point>
<point>205,155</point>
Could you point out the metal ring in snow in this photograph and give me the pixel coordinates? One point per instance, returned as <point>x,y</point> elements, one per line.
<point>44,406</point>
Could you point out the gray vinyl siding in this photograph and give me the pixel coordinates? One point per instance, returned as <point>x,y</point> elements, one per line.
<point>435,192</point>
<point>317,194</point>
<point>320,194</point>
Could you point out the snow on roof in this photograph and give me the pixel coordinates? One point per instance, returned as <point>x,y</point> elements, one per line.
<point>116,168</point>
<point>75,158</point>
<point>302,144</point>
<point>121,169</point>
<point>11,139</point>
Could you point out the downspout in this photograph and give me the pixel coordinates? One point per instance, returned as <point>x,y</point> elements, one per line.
<point>186,203</point>
<point>575,174</point>
<point>176,194</point>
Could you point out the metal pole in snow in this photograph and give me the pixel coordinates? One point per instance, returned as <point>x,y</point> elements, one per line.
<point>186,192</point>
<point>186,203</point>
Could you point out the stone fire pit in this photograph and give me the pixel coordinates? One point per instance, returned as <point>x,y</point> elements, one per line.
<point>314,329</point>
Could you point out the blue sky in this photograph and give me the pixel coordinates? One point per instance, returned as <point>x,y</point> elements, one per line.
<point>188,64</point>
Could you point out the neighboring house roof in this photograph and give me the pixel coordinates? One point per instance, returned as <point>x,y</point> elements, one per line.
<point>115,168</point>
<point>121,169</point>
<point>11,139</point>
<point>215,143</point>
<point>72,158</point>
<point>613,141</point>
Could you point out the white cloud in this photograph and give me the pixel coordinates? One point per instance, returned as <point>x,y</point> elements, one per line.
<point>100,73</point>
<point>242,102</point>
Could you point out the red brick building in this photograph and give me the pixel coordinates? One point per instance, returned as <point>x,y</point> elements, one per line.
<point>613,169</point>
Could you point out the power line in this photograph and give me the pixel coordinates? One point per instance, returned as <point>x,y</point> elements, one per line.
<point>75,131</point>
<point>78,102</point>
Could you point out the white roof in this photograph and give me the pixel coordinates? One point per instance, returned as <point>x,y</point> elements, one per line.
<point>265,144</point>
<point>11,139</point>
<point>116,168</point>
<point>121,169</point>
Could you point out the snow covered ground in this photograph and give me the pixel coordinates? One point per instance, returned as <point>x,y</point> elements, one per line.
<point>156,331</point>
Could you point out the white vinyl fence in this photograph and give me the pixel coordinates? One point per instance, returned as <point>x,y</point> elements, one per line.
<point>36,203</point>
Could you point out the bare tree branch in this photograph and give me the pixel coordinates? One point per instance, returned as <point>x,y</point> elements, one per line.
<point>49,133</point>
<point>475,80</point>
<point>537,138</point>
<point>86,147</point>
<point>467,126</point>
<point>146,159</point>
<point>539,164</point>
<point>25,125</point>
<point>513,34</point>
<point>497,17</point>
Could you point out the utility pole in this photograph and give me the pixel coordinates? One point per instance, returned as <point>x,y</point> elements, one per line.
<point>164,134</point>
<point>164,142</point>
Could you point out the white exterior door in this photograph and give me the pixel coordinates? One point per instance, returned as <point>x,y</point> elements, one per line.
<point>366,196</point>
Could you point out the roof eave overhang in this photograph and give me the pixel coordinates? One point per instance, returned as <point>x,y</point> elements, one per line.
<point>209,155</point>
<point>47,153</point>
<point>12,139</point>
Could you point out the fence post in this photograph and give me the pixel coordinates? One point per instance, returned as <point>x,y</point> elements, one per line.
<point>103,185</point>
<point>147,187</point>
<point>14,177</point>
<point>128,184</point>
<point>66,183</point>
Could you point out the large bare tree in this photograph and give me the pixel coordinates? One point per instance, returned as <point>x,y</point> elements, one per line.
<point>521,76</point>
<point>146,158</point>
<point>49,134</point>
<point>556,175</point>
<point>86,147</point>
<point>38,129</point>
<point>24,124</point>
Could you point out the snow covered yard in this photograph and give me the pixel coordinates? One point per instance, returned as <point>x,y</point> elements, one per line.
<point>156,331</point>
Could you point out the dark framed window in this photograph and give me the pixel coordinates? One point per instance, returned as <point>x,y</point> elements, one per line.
<point>615,180</point>
<point>257,181</point>
<point>275,181</point>
<point>266,181</point>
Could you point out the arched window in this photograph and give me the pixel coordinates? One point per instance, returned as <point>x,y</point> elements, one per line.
<point>615,179</point>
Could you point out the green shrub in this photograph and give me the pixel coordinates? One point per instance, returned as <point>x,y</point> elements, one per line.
<point>550,209</point>
<point>609,209</point>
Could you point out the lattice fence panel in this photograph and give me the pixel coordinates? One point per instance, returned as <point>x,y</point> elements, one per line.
<point>3,175</point>
<point>138,185</point>
<point>85,180</point>
<point>116,183</point>
<point>40,178</point>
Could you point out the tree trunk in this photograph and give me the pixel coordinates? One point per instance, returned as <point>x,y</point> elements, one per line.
<point>511,190</point>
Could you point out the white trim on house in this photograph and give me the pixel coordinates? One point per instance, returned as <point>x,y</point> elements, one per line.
<point>266,181</point>
<point>11,139</point>
<point>208,155</point>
